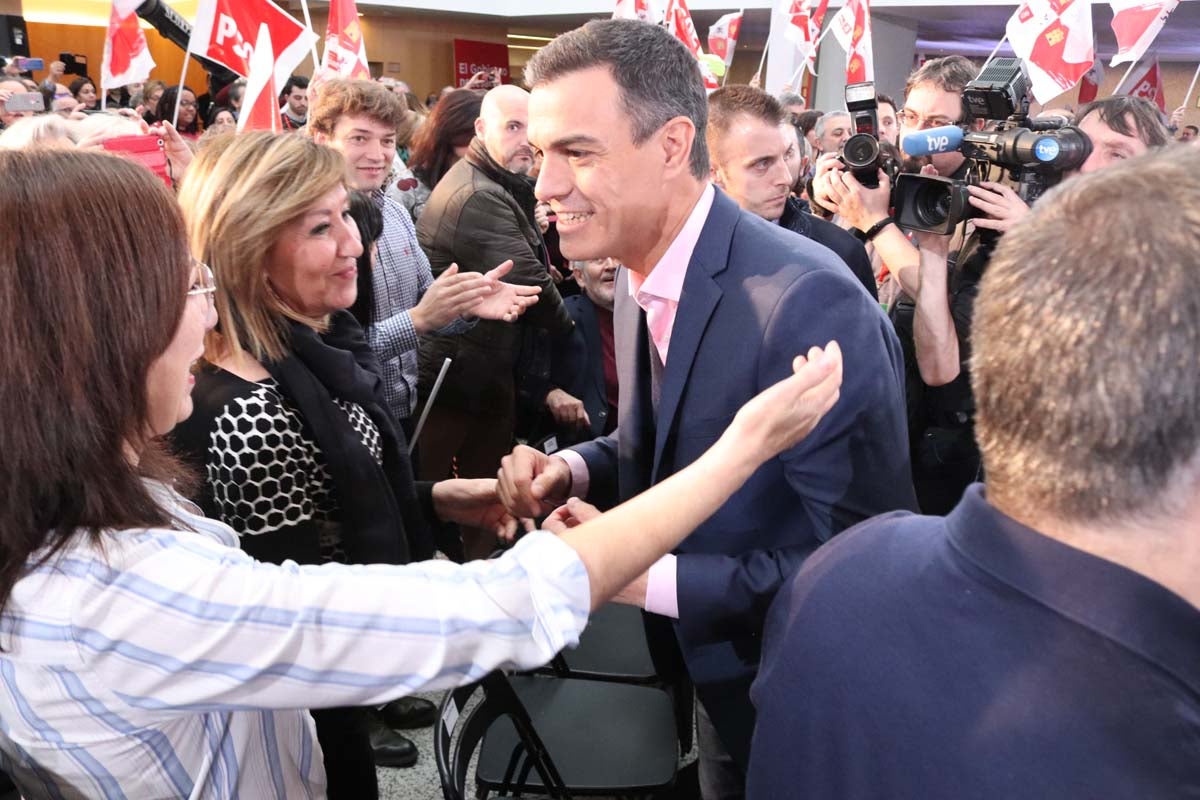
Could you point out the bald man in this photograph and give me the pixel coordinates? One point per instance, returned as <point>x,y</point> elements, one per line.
<point>479,214</point>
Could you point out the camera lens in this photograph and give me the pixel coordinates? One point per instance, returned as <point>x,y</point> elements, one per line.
<point>860,151</point>
<point>931,204</point>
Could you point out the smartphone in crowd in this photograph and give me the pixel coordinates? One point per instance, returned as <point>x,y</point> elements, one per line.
<point>30,64</point>
<point>26,101</point>
<point>148,150</point>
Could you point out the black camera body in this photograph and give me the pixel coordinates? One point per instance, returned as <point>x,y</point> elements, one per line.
<point>861,154</point>
<point>1033,153</point>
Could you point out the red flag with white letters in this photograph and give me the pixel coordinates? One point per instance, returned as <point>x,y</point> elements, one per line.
<point>1147,82</point>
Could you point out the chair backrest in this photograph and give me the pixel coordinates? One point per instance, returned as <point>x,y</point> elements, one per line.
<point>453,754</point>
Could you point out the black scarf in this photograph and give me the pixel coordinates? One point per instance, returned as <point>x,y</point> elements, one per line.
<point>381,518</point>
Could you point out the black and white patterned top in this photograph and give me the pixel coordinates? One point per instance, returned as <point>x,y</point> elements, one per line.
<point>263,472</point>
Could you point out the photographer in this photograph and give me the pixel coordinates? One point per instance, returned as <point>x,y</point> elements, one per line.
<point>933,319</point>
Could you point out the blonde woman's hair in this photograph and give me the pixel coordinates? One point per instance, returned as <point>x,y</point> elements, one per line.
<point>238,196</point>
<point>45,130</point>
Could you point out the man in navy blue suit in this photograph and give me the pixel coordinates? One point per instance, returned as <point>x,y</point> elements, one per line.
<point>713,305</point>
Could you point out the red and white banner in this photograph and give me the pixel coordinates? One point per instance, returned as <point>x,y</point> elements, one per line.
<point>723,36</point>
<point>126,56</point>
<point>227,32</point>
<point>1089,85</point>
<point>345,51</point>
<point>645,10</point>
<point>1147,82</point>
<point>1136,23</point>
<point>1054,38</point>
<point>852,28</point>
<point>680,25</point>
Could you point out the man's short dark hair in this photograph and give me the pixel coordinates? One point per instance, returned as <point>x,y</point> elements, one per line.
<point>294,82</point>
<point>659,79</point>
<point>1117,111</point>
<point>807,120</point>
<point>1076,423</point>
<point>727,102</point>
<point>880,98</point>
<point>1191,128</point>
<point>950,74</point>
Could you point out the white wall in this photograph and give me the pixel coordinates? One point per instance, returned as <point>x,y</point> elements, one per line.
<point>894,48</point>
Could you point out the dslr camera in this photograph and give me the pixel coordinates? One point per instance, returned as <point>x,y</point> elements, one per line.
<point>1033,153</point>
<point>861,154</point>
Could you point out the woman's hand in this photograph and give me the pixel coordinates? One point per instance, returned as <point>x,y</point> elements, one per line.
<point>570,514</point>
<point>779,417</point>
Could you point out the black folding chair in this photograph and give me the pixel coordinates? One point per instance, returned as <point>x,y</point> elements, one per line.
<point>453,754</point>
<point>563,737</point>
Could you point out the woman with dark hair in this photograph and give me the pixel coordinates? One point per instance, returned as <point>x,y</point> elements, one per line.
<point>369,219</point>
<point>84,92</point>
<point>143,654</point>
<point>439,143</point>
<point>189,111</point>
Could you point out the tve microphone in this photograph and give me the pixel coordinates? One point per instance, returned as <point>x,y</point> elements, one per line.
<point>932,141</point>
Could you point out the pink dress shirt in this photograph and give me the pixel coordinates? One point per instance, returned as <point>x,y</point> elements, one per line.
<point>658,295</point>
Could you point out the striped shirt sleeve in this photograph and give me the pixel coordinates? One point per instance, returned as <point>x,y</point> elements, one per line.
<point>176,622</point>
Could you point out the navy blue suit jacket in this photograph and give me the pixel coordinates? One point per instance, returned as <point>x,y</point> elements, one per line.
<point>754,297</point>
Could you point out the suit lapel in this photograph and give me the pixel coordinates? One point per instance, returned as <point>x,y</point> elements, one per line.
<point>699,299</point>
<point>635,415</point>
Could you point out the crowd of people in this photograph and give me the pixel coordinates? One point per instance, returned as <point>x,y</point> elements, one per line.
<point>914,512</point>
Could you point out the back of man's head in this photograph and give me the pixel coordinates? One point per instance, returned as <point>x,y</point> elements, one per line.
<point>1129,116</point>
<point>658,77</point>
<point>1085,337</point>
<point>346,98</point>
<point>726,104</point>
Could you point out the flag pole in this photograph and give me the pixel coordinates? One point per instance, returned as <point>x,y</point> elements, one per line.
<point>308,22</point>
<point>804,61</point>
<point>179,91</point>
<point>1116,89</point>
<point>1191,86</point>
<point>992,55</point>
<point>763,60</point>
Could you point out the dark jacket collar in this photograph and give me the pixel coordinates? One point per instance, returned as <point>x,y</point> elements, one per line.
<point>794,217</point>
<point>1113,601</point>
<point>519,186</point>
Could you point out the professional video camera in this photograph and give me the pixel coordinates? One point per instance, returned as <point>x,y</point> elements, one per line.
<point>174,28</point>
<point>861,154</point>
<point>1034,153</point>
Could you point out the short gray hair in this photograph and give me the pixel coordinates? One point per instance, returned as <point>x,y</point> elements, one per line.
<point>1086,400</point>
<point>826,118</point>
<point>791,99</point>
<point>658,77</point>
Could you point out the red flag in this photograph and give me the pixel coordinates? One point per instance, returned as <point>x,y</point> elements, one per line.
<point>345,51</point>
<point>1054,39</point>
<point>723,36</point>
<point>127,59</point>
<point>227,31</point>
<point>852,28</point>
<point>1089,85</point>
<point>1136,23</point>
<point>679,25</point>
<point>1147,82</point>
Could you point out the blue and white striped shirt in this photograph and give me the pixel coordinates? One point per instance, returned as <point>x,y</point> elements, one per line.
<point>174,665</point>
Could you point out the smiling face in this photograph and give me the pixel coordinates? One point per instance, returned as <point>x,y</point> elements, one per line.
<point>313,265</point>
<point>87,95</point>
<point>751,166</point>
<point>169,380</point>
<point>187,108</point>
<point>597,278</point>
<point>607,192</point>
<point>368,145</point>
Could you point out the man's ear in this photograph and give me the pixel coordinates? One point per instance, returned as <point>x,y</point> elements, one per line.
<point>319,137</point>
<point>676,138</point>
<point>714,174</point>
<point>479,128</point>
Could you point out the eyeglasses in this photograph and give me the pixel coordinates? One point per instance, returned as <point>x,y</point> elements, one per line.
<point>911,119</point>
<point>187,103</point>
<point>205,283</point>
